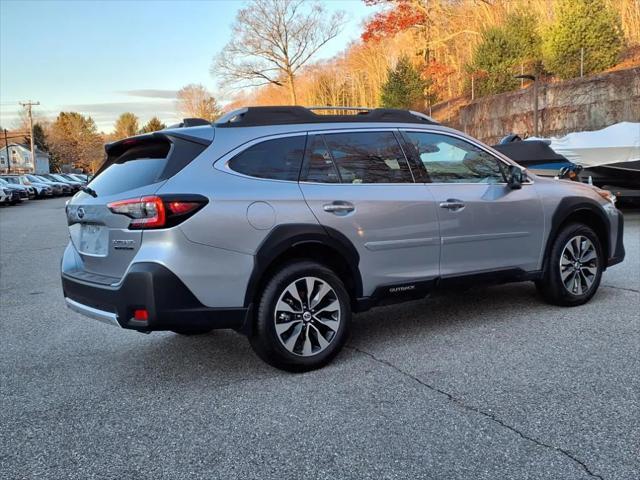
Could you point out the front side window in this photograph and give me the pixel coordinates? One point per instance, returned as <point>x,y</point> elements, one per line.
<point>453,160</point>
<point>368,157</point>
<point>277,159</point>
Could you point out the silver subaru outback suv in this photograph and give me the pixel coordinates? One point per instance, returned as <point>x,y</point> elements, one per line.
<point>279,222</point>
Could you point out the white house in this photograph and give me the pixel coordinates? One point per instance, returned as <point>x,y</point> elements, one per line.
<point>21,162</point>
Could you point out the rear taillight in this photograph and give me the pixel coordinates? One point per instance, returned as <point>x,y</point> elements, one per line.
<point>158,211</point>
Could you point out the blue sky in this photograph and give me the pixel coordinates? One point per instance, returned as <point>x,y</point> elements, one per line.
<point>102,58</point>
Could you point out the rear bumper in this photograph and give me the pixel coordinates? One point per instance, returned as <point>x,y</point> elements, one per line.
<point>151,286</point>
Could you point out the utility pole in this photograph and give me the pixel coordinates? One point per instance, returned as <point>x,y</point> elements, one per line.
<point>6,146</point>
<point>28,106</point>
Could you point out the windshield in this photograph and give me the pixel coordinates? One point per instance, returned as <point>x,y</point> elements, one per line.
<point>10,179</point>
<point>59,177</point>
<point>34,179</point>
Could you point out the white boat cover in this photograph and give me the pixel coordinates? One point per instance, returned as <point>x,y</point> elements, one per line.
<point>615,144</point>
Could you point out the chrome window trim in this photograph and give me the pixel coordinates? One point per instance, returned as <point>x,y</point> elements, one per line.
<point>475,143</point>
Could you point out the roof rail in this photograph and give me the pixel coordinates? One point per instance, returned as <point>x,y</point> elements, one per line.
<point>283,115</point>
<point>191,122</point>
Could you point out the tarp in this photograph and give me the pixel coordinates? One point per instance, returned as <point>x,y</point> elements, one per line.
<point>615,144</point>
<point>531,151</point>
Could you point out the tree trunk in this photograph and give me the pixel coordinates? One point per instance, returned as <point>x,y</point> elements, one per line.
<point>292,89</point>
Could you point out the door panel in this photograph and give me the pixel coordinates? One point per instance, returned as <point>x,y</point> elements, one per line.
<point>497,228</point>
<point>393,227</point>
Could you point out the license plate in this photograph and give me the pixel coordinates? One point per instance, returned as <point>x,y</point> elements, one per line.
<point>93,240</point>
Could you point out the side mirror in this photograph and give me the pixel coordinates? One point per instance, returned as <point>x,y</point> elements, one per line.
<point>515,177</point>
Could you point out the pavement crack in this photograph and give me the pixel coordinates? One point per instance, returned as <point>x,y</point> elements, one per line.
<point>477,410</point>
<point>621,288</point>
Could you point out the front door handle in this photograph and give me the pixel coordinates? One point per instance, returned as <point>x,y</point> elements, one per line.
<point>452,204</point>
<point>339,208</point>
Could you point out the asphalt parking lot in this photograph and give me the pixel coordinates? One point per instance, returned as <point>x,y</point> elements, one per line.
<point>491,384</point>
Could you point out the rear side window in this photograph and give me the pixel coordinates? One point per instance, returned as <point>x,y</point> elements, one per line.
<point>369,157</point>
<point>277,159</point>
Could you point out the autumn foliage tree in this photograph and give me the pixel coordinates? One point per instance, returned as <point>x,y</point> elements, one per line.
<point>74,140</point>
<point>195,101</point>
<point>126,126</point>
<point>153,125</point>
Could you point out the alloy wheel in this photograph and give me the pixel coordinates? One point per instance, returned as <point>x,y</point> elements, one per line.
<point>578,265</point>
<point>307,316</point>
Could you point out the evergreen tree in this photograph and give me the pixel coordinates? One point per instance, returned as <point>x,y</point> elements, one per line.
<point>39,138</point>
<point>502,51</point>
<point>126,126</point>
<point>404,87</point>
<point>589,24</point>
<point>153,125</point>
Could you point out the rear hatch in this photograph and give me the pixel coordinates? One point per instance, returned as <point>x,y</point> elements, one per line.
<point>134,168</point>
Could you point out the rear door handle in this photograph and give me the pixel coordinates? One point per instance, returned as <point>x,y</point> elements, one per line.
<point>339,208</point>
<point>452,204</point>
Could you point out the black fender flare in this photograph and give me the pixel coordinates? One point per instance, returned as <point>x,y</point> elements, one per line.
<point>286,236</point>
<point>569,206</point>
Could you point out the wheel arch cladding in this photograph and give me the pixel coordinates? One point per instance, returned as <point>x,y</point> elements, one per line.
<point>305,241</point>
<point>580,210</point>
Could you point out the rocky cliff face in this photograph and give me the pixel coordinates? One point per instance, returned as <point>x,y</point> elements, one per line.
<point>589,103</point>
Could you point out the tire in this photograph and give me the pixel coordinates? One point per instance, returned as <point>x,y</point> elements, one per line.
<point>580,251</point>
<point>317,326</point>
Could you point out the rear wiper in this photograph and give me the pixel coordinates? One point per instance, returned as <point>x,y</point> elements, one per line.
<point>90,191</point>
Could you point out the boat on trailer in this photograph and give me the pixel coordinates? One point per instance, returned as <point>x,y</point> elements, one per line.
<point>608,158</point>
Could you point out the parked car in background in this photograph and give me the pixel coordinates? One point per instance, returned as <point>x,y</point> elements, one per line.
<point>59,188</point>
<point>280,223</point>
<point>75,183</point>
<point>4,196</point>
<point>56,190</point>
<point>19,180</point>
<point>11,197</point>
<point>21,193</point>
<point>81,176</point>
<point>78,177</point>
<point>55,177</point>
<point>42,189</point>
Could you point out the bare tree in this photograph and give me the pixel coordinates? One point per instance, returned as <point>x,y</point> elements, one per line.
<point>195,100</point>
<point>272,40</point>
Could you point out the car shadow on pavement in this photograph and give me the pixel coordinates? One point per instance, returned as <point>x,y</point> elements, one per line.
<point>225,356</point>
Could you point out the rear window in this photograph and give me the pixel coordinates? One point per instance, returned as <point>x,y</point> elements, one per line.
<point>278,159</point>
<point>143,163</point>
<point>134,168</point>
